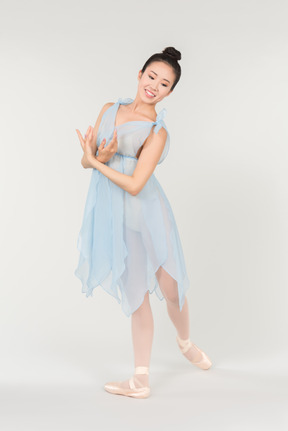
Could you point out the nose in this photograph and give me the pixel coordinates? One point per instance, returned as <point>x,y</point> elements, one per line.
<point>154,86</point>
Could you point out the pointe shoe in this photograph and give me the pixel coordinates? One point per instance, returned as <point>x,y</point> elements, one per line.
<point>142,392</point>
<point>185,345</point>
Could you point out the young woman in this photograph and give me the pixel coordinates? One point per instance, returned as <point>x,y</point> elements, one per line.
<point>129,242</point>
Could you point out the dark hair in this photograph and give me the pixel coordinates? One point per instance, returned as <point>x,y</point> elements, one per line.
<point>170,56</point>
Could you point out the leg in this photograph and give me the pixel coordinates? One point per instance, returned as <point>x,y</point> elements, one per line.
<point>180,319</point>
<point>142,325</point>
<point>169,290</point>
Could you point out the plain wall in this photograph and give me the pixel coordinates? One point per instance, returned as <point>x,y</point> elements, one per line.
<point>225,177</point>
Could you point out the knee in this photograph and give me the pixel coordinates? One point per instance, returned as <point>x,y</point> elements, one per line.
<point>170,293</point>
<point>168,286</point>
<point>172,297</point>
<point>144,308</point>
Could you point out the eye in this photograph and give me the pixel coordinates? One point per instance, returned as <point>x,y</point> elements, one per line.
<point>164,85</point>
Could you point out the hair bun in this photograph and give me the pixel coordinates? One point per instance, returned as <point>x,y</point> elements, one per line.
<point>172,52</point>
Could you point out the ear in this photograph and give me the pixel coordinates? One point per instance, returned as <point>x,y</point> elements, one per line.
<point>139,74</point>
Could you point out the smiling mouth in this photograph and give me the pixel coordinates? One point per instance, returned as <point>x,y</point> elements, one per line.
<point>149,93</point>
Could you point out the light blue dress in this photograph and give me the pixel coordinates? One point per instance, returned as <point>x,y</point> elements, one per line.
<point>124,239</point>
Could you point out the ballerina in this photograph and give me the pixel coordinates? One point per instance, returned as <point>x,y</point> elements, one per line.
<point>129,242</point>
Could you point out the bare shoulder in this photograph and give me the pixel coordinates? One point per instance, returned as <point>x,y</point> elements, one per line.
<point>107,105</point>
<point>162,133</point>
<point>160,136</point>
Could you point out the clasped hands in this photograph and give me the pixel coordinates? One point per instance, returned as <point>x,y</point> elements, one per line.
<point>89,147</point>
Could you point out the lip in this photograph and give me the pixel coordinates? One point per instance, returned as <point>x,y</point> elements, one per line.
<point>150,92</point>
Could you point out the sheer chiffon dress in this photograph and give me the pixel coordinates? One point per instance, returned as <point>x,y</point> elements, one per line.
<point>124,239</point>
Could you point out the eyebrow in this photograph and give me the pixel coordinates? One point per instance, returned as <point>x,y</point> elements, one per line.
<point>157,75</point>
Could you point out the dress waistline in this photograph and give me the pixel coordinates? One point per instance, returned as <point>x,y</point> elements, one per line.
<point>124,155</point>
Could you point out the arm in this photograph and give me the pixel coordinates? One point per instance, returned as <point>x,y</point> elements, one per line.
<point>147,162</point>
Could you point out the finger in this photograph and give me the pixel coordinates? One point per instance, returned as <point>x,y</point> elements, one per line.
<point>102,143</point>
<point>78,132</point>
<point>87,132</point>
<point>114,138</point>
<point>79,136</point>
<point>91,134</point>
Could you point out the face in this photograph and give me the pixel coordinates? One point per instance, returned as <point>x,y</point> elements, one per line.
<point>155,82</point>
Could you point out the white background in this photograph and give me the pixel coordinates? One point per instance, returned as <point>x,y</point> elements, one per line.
<point>225,177</point>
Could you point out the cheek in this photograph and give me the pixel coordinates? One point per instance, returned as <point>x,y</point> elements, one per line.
<point>144,80</point>
<point>164,90</point>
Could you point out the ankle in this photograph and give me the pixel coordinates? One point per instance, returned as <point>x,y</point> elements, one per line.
<point>183,338</point>
<point>141,375</point>
<point>184,343</point>
<point>142,380</point>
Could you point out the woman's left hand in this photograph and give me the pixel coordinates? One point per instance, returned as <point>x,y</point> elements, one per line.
<point>89,143</point>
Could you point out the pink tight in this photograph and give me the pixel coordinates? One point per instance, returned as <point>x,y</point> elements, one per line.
<point>142,326</point>
<point>142,323</point>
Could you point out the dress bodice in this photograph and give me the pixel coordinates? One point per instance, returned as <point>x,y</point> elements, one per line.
<point>132,134</point>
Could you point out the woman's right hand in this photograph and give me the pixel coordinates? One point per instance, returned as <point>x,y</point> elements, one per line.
<point>105,154</point>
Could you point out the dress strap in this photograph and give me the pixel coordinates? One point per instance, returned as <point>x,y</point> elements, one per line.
<point>159,120</point>
<point>124,100</point>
